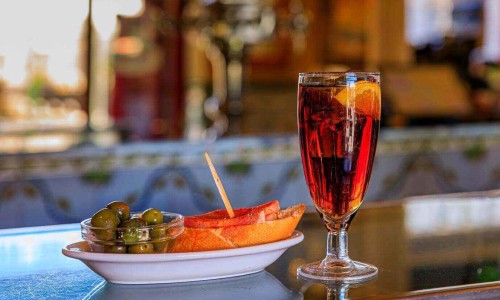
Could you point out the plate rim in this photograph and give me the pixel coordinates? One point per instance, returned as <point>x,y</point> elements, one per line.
<point>293,240</point>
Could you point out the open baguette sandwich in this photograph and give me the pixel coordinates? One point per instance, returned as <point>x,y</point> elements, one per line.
<point>257,225</point>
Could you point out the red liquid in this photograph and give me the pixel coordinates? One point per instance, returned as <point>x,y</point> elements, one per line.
<point>337,152</point>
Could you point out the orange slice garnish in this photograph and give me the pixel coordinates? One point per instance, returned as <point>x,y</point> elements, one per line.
<point>367,99</point>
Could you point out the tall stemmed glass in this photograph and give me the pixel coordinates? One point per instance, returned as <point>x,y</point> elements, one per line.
<point>338,118</point>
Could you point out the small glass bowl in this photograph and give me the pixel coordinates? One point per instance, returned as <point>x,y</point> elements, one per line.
<point>123,240</point>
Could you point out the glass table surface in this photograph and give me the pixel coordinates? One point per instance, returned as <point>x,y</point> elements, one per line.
<point>439,247</point>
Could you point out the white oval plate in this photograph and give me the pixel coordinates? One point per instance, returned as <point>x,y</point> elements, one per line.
<point>180,267</point>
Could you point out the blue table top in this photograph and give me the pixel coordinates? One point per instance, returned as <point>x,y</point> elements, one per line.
<point>436,245</point>
<point>32,267</point>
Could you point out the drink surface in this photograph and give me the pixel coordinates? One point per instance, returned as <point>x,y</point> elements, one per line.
<point>338,145</point>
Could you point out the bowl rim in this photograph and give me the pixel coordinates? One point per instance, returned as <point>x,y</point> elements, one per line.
<point>177,221</point>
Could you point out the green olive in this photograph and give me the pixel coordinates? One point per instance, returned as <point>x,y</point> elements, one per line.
<point>131,233</point>
<point>158,232</point>
<point>152,216</point>
<point>104,221</point>
<point>161,247</point>
<point>115,249</point>
<point>105,218</point>
<point>135,222</point>
<point>141,248</point>
<point>104,234</point>
<point>121,210</point>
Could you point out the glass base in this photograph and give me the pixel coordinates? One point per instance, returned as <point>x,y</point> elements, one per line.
<point>356,272</point>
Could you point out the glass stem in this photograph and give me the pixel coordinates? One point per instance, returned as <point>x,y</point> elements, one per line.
<point>337,292</point>
<point>337,252</point>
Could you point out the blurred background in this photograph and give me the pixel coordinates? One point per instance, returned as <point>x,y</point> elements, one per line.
<point>106,72</point>
<point>104,100</point>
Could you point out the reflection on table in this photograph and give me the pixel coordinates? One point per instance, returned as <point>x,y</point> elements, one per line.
<point>261,285</point>
<point>418,244</point>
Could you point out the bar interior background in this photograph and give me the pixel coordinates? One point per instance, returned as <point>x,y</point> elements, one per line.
<point>104,98</point>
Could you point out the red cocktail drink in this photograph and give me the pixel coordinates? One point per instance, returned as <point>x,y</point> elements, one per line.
<point>337,149</point>
<point>338,119</point>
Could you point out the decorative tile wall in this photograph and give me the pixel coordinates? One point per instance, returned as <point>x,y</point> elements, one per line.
<point>67,187</point>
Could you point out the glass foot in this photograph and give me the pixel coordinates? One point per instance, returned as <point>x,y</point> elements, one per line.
<point>357,272</point>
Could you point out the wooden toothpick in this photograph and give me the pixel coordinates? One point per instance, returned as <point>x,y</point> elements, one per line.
<point>222,192</point>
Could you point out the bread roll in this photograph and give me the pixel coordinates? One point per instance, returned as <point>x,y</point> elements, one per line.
<point>271,225</point>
